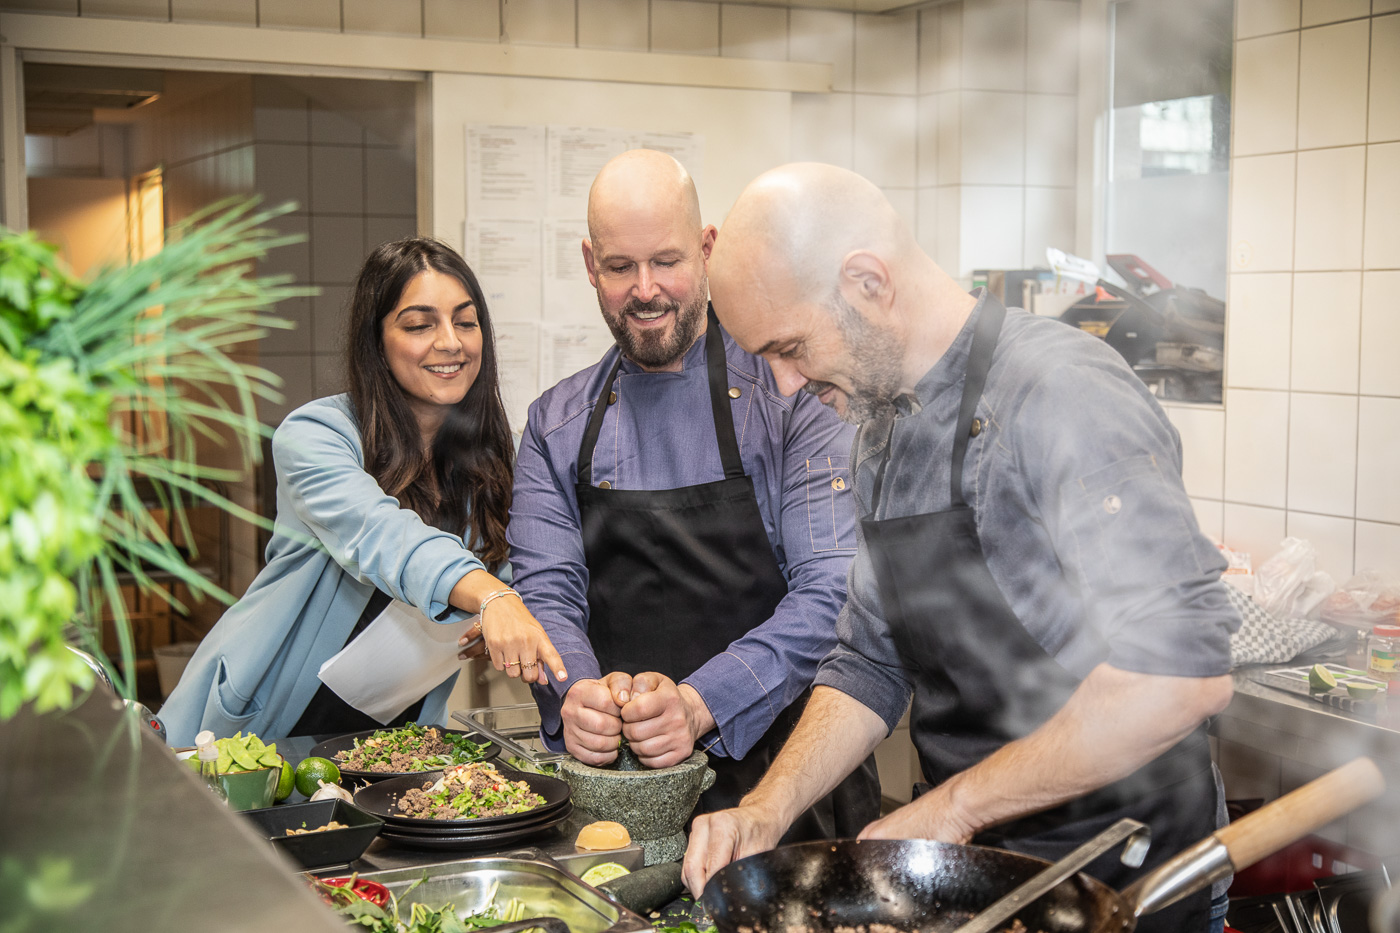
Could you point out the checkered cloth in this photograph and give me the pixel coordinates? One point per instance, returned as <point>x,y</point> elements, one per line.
<point>1267,639</point>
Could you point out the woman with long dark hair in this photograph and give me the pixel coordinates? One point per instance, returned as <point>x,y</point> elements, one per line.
<point>392,503</point>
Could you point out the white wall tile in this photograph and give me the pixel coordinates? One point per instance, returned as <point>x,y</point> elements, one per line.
<point>1382,250</point>
<point>1210,516</point>
<point>1322,453</point>
<point>950,45</point>
<point>993,138</point>
<point>1264,112</point>
<point>949,254</point>
<point>1052,46</point>
<point>1261,213</point>
<point>929,21</point>
<point>821,128</point>
<point>885,130</point>
<point>297,386</point>
<point>1377,547</point>
<point>540,22</point>
<point>1384,6</point>
<point>1385,78</point>
<point>992,227</point>
<point>391,183</point>
<point>462,19</point>
<point>824,36</point>
<point>293,259</point>
<point>1202,433</point>
<point>1380,333</point>
<point>1259,17</point>
<point>337,179</point>
<point>1258,330</point>
<point>905,202</point>
<point>240,12</point>
<point>328,374</point>
<point>1332,74</point>
<point>1256,447</point>
<point>330,313</point>
<point>1255,531</point>
<point>337,249</point>
<point>300,14</point>
<point>1333,537</point>
<point>1052,138</point>
<point>994,45</point>
<point>1331,189</point>
<point>1050,215</point>
<point>1378,458</point>
<point>1317,12</point>
<point>294,341</point>
<point>685,26</point>
<point>614,24</point>
<point>128,9</point>
<point>332,126</point>
<point>385,229</point>
<point>887,49</point>
<point>927,229</point>
<point>1326,331</point>
<point>753,32</point>
<point>68,7</point>
<point>280,112</point>
<point>928,140</point>
<point>950,137</point>
<point>389,17</point>
<point>281,173</point>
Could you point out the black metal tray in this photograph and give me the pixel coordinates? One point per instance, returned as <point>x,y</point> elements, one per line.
<point>343,743</point>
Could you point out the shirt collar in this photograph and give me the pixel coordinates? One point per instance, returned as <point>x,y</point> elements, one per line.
<point>950,368</point>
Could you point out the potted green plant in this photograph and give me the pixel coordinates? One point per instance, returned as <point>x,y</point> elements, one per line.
<point>149,342</point>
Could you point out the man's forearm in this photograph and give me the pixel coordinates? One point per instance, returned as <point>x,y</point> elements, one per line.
<point>834,735</point>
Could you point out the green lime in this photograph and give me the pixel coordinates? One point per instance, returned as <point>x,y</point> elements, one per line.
<point>605,871</point>
<point>1362,691</point>
<point>312,770</point>
<point>286,782</point>
<point>1321,679</point>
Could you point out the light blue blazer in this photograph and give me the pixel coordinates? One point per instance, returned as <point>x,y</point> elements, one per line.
<point>256,671</point>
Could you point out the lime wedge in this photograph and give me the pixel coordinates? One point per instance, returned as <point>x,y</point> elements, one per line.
<point>605,871</point>
<point>1362,691</point>
<point>1321,679</point>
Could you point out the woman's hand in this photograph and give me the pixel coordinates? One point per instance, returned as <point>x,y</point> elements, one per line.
<point>516,643</point>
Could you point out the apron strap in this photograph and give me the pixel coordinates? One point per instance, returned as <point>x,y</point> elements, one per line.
<point>716,369</point>
<point>595,427</point>
<point>979,363</point>
<point>717,365</point>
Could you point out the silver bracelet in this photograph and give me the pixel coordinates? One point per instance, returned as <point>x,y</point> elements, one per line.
<point>505,591</point>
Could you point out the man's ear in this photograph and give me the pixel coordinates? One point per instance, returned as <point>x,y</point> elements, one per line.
<point>865,282</point>
<point>707,243</point>
<point>588,262</point>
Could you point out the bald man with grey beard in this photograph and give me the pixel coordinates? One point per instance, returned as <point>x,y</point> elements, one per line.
<point>1030,570</point>
<point>680,529</point>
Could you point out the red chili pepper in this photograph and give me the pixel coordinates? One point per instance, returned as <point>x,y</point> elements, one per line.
<point>372,891</point>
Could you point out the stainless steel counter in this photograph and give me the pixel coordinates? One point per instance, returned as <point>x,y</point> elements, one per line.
<point>100,828</point>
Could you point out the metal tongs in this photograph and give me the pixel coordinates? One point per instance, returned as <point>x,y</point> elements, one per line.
<point>1138,836</point>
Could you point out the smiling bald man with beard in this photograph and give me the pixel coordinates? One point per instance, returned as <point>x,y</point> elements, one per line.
<point>680,529</point>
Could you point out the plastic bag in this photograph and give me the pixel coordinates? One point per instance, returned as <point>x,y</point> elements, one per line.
<point>1289,585</point>
<point>1367,599</point>
<point>1239,571</point>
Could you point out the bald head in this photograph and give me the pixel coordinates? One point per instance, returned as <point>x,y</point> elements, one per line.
<point>642,186</point>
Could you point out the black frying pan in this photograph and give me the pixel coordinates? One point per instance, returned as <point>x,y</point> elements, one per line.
<point>934,887</point>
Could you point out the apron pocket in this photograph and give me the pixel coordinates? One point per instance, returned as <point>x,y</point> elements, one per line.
<point>227,711</point>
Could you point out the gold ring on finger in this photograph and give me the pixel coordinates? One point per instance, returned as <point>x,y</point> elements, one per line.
<point>511,663</point>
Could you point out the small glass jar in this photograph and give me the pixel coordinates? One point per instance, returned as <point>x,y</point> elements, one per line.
<point>1383,653</point>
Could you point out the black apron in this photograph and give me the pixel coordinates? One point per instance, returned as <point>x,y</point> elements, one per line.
<point>982,681</point>
<point>676,575</point>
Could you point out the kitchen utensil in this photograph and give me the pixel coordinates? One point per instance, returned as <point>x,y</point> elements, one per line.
<point>1346,899</point>
<point>933,886</point>
<point>647,888</point>
<point>1295,680</point>
<point>1138,837</point>
<point>516,728</point>
<point>349,776</point>
<point>328,847</point>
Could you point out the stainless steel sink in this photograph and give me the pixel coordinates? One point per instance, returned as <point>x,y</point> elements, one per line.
<point>546,889</point>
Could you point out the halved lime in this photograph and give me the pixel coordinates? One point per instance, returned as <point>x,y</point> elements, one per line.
<point>604,871</point>
<point>1321,679</point>
<point>286,782</point>
<point>1361,690</point>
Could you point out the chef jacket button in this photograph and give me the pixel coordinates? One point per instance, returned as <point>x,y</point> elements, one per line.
<point>612,398</point>
<point>735,392</point>
<point>976,427</point>
<point>605,485</point>
<point>1111,504</point>
<point>838,484</point>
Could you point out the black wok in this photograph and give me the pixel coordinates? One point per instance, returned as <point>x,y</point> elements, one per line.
<point>935,887</point>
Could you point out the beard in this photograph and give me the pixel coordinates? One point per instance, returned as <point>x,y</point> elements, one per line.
<point>655,349</point>
<point>874,358</point>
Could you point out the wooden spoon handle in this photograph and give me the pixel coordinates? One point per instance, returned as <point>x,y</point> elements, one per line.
<point>1294,815</point>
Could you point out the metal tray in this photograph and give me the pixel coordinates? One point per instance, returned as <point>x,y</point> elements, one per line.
<point>546,889</point>
<point>515,728</point>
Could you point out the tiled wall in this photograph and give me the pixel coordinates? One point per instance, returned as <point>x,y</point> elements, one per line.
<point>1309,438</point>
<point>96,151</point>
<point>353,185</point>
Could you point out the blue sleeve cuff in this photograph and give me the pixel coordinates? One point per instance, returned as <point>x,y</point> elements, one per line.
<point>741,705</point>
